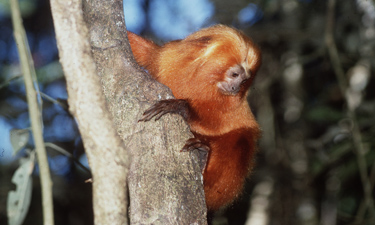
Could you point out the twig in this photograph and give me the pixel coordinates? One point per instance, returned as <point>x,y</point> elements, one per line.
<point>66,153</point>
<point>54,101</point>
<point>357,137</point>
<point>34,104</point>
<point>5,83</point>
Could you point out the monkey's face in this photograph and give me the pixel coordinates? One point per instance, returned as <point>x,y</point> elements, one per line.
<point>235,77</point>
<point>237,60</point>
<point>238,63</point>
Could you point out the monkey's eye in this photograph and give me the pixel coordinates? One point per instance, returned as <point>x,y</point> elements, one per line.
<point>234,75</point>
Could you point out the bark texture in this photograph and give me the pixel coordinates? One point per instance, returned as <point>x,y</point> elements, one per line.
<point>165,186</point>
<point>105,150</point>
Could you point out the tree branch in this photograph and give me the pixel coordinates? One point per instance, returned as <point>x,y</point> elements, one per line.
<point>105,150</point>
<point>165,186</point>
<point>35,111</point>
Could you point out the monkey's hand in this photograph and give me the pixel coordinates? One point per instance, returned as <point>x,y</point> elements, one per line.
<point>175,106</point>
<point>203,150</point>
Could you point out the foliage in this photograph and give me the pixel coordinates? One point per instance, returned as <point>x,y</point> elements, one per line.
<point>308,169</point>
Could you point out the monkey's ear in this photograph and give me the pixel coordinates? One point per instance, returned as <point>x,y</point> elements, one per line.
<point>142,49</point>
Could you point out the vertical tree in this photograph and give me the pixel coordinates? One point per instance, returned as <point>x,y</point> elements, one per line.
<point>107,95</point>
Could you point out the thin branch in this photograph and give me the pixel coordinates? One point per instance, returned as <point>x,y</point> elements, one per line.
<point>34,102</point>
<point>54,101</point>
<point>357,136</point>
<point>8,81</point>
<point>66,153</point>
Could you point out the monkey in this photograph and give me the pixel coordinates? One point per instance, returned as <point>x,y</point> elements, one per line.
<point>209,73</point>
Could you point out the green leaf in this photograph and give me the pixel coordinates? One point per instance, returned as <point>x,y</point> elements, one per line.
<point>19,139</point>
<point>324,114</point>
<point>19,200</point>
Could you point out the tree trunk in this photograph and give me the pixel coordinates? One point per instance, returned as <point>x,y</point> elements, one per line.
<point>165,186</point>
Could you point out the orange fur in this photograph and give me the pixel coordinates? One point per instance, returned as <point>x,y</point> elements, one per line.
<point>192,69</point>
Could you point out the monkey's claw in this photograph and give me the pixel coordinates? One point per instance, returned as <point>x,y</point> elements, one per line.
<point>175,106</point>
<point>196,144</point>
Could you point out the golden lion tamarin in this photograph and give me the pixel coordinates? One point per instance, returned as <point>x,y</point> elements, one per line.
<point>209,73</point>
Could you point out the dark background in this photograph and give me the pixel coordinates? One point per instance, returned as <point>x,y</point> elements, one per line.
<point>307,166</point>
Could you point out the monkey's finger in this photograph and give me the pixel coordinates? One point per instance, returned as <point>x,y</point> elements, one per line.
<point>196,144</point>
<point>159,109</point>
<point>147,117</point>
<point>152,112</point>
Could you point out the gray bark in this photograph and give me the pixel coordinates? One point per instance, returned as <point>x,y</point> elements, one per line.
<point>165,186</point>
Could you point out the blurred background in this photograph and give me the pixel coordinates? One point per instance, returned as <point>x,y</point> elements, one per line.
<point>315,107</point>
